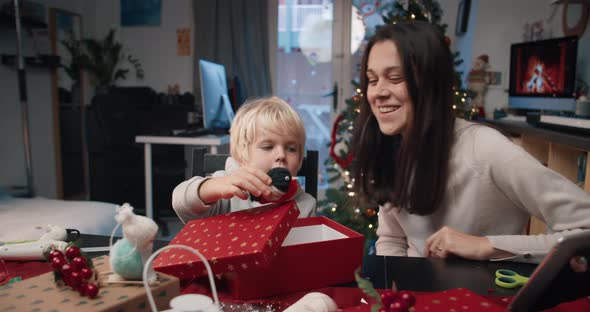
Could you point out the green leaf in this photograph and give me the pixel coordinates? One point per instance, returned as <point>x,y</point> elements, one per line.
<point>367,287</point>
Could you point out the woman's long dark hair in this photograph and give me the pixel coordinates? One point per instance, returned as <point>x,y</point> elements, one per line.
<point>409,170</point>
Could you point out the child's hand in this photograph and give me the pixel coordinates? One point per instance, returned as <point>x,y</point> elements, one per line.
<point>245,180</point>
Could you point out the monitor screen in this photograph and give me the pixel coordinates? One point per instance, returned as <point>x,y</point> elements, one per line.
<point>543,74</point>
<point>216,107</point>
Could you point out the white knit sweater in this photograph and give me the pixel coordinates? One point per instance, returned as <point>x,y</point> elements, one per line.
<point>494,187</point>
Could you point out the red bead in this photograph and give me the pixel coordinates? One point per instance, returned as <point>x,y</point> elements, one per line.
<point>79,263</point>
<point>57,263</point>
<point>75,280</point>
<point>66,270</point>
<point>91,290</point>
<point>407,297</point>
<point>86,273</point>
<point>398,305</point>
<point>387,297</point>
<point>82,288</point>
<point>72,252</point>
<point>55,253</point>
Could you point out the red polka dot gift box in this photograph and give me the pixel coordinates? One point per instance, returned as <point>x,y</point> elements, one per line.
<point>267,251</point>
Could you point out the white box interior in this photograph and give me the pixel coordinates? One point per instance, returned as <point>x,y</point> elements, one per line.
<point>311,234</point>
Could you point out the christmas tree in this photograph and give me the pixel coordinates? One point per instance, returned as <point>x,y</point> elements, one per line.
<point>341,204</point>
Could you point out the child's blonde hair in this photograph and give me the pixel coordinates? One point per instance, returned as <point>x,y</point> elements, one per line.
<point>269,113</point>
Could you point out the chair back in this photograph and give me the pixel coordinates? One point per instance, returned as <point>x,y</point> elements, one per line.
<point>204,164</point>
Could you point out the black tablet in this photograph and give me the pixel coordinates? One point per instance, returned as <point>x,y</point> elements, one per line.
<point>554,281</point>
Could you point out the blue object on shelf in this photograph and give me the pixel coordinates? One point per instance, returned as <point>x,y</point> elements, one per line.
<point>582,160</point>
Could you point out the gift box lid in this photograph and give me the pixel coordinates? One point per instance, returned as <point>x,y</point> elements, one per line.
<point>245,240</point>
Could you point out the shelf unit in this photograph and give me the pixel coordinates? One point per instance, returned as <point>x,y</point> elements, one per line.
<point>557,150</point>
<point>7,21</point>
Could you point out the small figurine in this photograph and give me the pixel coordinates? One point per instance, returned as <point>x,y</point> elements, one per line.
<point>129,254</point>
<point>477,81</point>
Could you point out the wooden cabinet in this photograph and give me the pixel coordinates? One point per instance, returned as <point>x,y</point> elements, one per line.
<point>557,150</point>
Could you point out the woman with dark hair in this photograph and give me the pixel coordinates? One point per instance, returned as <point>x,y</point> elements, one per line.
<point>447,186</point>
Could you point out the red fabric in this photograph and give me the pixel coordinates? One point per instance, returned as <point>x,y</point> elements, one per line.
<point>25,269</point>
<point>293,187</point>
<point>349,299</point>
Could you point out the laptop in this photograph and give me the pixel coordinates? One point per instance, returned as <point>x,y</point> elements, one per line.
<point>554,281</point>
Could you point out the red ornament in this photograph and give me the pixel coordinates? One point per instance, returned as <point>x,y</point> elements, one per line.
<point>82,288</point>
<point>57,263</point>
<point>341,162</point>
<point>86,273</point>
<point>72,252</point>
<point>75,279</point>
<point>66,270</point>
<point>55,253</point>
<point>407,297</point>
<point>447,41</point>
<point>79,263</point>
<point>370,212</point>
<point>91,290</point>
<point>398,305</point>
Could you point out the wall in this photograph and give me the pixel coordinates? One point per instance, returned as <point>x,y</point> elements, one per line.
<point>500,23</point>
<point>39,103</point>
<point>155,47</point>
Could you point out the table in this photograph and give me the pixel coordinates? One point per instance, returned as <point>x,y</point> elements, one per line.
<point>430,274</point>
<point>414,274</point>
<point>213,141</point>
<point>409,273</point>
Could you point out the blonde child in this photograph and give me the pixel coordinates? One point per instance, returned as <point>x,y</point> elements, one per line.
<point>266,133</point>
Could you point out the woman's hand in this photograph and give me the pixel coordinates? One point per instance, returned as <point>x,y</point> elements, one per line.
<point>448,241</point>
<point>245,180</point>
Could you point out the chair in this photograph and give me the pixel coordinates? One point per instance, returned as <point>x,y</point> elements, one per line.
<point>204,164</point>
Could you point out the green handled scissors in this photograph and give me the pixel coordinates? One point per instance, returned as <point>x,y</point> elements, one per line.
<point>509,279</point>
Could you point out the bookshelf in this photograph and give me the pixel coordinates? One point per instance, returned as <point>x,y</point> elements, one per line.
<point>557,150</point>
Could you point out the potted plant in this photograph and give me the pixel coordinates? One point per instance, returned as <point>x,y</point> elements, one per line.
<point>102,59</point>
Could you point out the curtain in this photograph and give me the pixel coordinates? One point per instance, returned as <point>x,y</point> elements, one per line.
<point>234,33</point>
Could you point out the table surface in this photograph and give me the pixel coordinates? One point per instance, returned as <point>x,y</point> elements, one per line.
<point>415,274</point>
<point>430,275</point>
<point>210,139</point>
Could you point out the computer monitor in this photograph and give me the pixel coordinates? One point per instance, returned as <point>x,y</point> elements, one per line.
<point>542,75</point>
<point>216,106</point>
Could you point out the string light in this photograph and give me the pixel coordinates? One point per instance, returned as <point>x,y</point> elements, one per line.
<point>351,194</point>
<point>349,186</point>
<point>463,100</point>
<point>357,210</point>
<point>413,16</point>
<point>370,226</point>
<point>346,172</point>
<point>454,106</point>
<point>333,209</point>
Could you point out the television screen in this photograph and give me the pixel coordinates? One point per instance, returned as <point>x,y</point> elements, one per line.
<point>216,107</point>
<point>542,74</point>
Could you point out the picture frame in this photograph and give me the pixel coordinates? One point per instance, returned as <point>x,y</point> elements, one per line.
<point>462,17</point>
<point>142,13</point>
<point>495,79</point>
